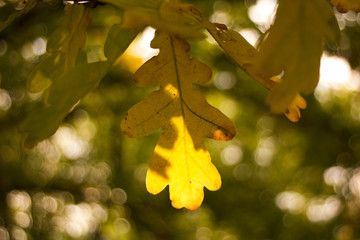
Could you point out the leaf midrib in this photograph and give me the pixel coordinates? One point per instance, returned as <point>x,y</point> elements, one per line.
<point>182,101</point>
<point>183,104</point>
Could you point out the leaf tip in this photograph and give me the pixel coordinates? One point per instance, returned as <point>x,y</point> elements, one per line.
<point>190,206</point>
<point>293,110</point>
<point>223,135</point>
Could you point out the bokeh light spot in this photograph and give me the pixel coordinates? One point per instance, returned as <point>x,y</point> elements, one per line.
<point>19,200</point>
<point>5,100</point>
<point>291,201</point>
<point>221,17</point>
<point>92,194</point>
<point>4,234</point>
<point>265,151</point>
<point>204,233</point>
<point>335,73</point>
<point>3,47</point>
<point>122,225</point>
<point>118,196</point>
<point>335,176</point>
<point>70,144</point>
<point>355,183</point>
<point>49,204</point>
<point>224,80</point>
<point>18,234</point>
<point>263,13</point>
<point>231,155</point>
<point>22,219</point>
<point>323,209</point>
<point>229,107</point>
<point>251,35</point>
<point>39,46</point>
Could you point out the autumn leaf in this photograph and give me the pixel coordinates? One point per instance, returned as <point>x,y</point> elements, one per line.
<point>180,158</point>
<point>171,16</point>
<point>240,51</point>
<point>295,45</point>
<point>346,5</point>
<point>244,54</point>
<point>293,110</point>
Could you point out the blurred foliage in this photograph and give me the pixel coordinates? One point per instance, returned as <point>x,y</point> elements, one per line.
<point>281,180</point>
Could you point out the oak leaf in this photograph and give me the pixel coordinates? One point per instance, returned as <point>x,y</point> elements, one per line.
<point>61,97</point>
<point>244,54</point>
<point>293,110</point>
<point>76,35</point>
<point>63,48</point>
<point>180,158</point>
<point>64,89</point>
<point>294,45</point>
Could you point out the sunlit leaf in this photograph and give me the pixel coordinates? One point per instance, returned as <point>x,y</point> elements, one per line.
<point>346,5</point>
<point>172,16</point>
<point>180,159</point>
<point>293,110</point>
<point>242,53</point>
<point>295,45</point>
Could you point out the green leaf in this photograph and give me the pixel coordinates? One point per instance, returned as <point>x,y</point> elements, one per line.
<point>76,36</point>
<point>62,96</point>
<point>29,5</point>
<point>64,50</point>
<point>118,41</point>
<point>46,71</point>
<point>76,83</point>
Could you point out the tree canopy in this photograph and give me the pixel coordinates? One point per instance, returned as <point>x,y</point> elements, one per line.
<point>247,110</point>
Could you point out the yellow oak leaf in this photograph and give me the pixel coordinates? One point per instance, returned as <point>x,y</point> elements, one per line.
<point>240,51</point>
<point>294,45</point>
<point>180,158</point>
<point>243,53</point>
<point>293,111</point>
<point>346,5</point>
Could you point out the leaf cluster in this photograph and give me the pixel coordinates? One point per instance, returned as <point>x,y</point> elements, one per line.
<point>286,63</point>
